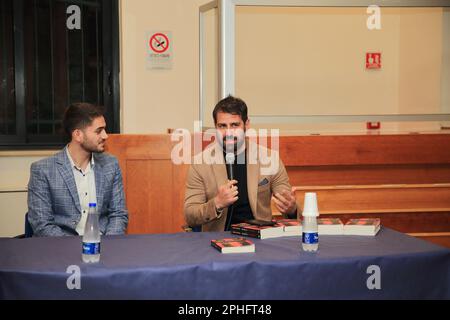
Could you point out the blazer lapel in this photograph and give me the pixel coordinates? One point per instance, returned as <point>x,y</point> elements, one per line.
<point>252,176</point>
<point>219,169</point>
<point>66,172</point>
<point>98,172</point>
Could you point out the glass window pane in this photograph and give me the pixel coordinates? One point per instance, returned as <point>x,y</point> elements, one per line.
<point>91,44</point>
<point>60,65</point>
<point>313,60</point>
<point>75,62</point>
<point>60,72</point>
<point>7,96</point>
<point>44,70</point>
<point>63,65</point>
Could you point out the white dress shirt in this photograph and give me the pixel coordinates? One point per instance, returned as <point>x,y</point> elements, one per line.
<point>85,182</point>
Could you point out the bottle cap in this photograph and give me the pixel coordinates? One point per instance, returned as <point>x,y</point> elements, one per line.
<point>92,204</point>
<point>310,205</point>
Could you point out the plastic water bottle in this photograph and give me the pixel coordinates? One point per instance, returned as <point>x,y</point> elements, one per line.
<point>310,236</point>
<point>91,237</point>
<point>310,230</point>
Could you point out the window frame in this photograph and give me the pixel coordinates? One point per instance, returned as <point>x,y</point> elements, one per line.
<point>110,81</point>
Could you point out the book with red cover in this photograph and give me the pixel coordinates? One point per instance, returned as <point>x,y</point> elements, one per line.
<point>362,227</point>
<point>233,245</point>
<point>261,232</point>
<point>330,226</point>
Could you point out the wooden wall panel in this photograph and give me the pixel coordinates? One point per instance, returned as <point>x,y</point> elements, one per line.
<point>379,198</point>
<point>363,175</point>
<point>149,203</point>
<point>154,186</point>
<point>407,222</point>
<point>353,150</point>
<point>178,187</point>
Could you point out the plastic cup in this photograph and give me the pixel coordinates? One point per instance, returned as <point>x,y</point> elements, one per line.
<point>310,205</point>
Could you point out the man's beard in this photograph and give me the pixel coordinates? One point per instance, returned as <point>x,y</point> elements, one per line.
<point>232,147</point>
<point>88,147</point>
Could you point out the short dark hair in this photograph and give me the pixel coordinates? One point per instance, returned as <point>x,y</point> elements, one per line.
<point>80,115</point>
<point>231,105</point>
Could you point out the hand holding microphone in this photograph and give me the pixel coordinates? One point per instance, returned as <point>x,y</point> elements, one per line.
<point>227,193</point>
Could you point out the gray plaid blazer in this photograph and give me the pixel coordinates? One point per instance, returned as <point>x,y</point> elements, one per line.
<point>53,202</point>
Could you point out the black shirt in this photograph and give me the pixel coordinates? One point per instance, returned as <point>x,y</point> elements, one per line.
<point>239,211</point>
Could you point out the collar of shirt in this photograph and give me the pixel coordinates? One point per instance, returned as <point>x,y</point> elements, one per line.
<point>72,163</point>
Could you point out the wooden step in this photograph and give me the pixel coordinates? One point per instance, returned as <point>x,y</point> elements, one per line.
<point>374,199</point>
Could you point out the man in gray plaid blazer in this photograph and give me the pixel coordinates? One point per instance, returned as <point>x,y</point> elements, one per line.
<point>62,186</point>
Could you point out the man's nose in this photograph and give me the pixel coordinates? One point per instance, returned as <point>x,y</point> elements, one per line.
<point>229,132</point>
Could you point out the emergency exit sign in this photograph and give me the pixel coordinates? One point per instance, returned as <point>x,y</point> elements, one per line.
<point>373,60</point>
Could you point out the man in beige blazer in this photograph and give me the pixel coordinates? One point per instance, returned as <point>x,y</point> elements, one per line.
<point>215,202</point>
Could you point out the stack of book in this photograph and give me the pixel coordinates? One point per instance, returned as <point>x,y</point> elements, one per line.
<point>359,227</point>
<point>260,232</point>
<point>233,245</point>
<point>282,228</point>
<point>330,226</point>
<point>292,227</point>
<point>362,227</point>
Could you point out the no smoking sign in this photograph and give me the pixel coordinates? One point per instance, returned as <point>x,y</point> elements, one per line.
<point>159,50</point>
<point>159,42</point>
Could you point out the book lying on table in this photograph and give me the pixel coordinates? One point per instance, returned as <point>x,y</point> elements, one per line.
<point>261,232</point>
<point>233,245</point>
<point>292,227</point>
<point>330,226</point>
<point>326,226</point>
<point>362,227</point>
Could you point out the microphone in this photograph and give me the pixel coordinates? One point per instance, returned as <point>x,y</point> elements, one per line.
<point>229,159</point>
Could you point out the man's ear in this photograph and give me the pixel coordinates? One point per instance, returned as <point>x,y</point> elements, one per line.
<point>247,124</point>
<point>77,135</point>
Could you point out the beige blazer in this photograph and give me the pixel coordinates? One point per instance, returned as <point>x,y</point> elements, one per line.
<point>209,172</point>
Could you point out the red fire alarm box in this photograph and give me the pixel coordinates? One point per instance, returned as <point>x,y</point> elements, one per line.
<point>373,60</point>
<point>373,125</point>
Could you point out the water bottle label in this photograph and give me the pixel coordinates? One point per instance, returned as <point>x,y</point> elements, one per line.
<point>310,238</point>
<point>91,247</point>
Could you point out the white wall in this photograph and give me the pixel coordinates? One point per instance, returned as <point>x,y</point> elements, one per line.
<point>14,206</point>
<point>445,83</point>
<point>311,61</point>
<point>14,173</point>
<point>155,100</point>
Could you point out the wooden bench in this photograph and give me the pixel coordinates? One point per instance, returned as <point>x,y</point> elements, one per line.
<point>421,210</point>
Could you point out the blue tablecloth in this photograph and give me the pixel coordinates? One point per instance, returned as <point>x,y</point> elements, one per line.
<point>185,266</point>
